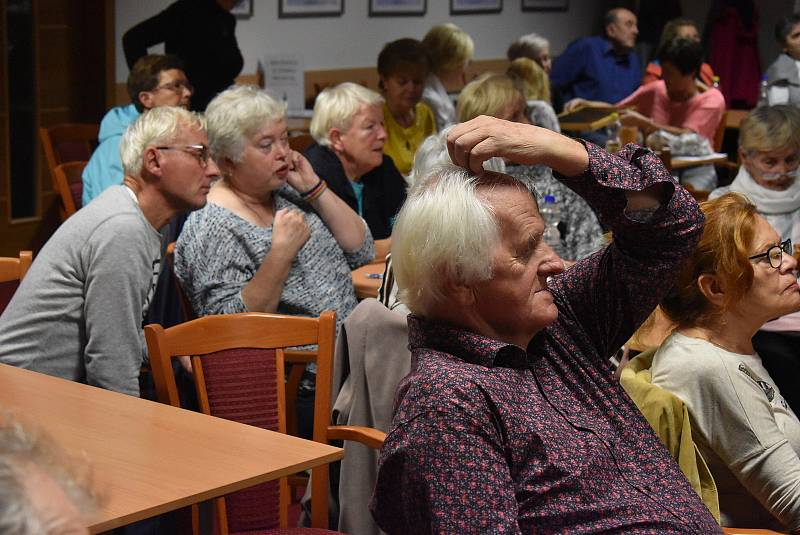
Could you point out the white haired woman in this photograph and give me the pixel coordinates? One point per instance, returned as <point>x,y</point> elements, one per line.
<point>273,237</point>
<point>348,129</point>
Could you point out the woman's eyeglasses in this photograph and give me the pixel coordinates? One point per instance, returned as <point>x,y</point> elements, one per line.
<point>775,253</point>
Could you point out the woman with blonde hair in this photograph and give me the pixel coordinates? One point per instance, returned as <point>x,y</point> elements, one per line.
<point>450,49</point>
<point>741,275</point>
<point>535,86</point>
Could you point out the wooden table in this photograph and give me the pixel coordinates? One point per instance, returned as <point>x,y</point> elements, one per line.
<point>587,118</point>
<point>148,458</point>
<point>367,279</point>
<point>682,162</point>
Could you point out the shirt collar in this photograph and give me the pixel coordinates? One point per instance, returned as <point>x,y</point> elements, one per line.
<point>467,346</point>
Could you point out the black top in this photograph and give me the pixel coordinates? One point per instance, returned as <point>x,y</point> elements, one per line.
<point>199,32</point>
<point>384,188</point>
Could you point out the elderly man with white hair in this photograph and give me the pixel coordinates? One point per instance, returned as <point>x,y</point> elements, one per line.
<point>510,420</point>
<point>347,126</point>
<point>78,313</point>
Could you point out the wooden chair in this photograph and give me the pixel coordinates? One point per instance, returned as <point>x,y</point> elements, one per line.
<point>70,142</point>
<point>12,271</point>
<point>238,365</point>
<point>68,183</point>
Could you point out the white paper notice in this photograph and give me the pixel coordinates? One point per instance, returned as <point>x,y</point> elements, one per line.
<point>283,77</point>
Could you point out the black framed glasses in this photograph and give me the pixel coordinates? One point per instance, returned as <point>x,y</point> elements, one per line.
<point>775,253</point>
<point>176,87</point>
<point>201,153</point>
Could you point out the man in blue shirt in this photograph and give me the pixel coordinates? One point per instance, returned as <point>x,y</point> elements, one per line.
<point>155,80</point>
<point>600,68</point>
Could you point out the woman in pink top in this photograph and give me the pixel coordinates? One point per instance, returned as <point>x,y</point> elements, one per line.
<point>674,103</point>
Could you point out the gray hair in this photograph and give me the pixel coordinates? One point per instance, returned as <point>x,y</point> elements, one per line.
<point>336,106</point>
<point>235,115</point>
<point>528,46</point>
<point>22,450</point>
<point>158,126</point>
<point>445,231</point>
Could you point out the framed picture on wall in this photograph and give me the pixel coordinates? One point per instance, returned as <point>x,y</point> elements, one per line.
<point>243,9</point>
<point>310,8</point>
<point>463,7</point>
<point>393,8</point>
<point>545,5</point>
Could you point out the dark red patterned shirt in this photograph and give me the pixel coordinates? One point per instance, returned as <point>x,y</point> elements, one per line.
<point>490,438</point>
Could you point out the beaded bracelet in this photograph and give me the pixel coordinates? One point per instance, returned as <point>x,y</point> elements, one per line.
<point>315,192</point>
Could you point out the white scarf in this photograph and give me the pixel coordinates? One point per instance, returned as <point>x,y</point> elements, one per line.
<point>767,201</point>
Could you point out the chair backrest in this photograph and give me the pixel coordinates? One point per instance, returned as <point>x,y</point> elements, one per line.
<point>69,186</point>
<point>301,142</point>
<point>238,367</point>
<point>12,271</point>
<point>69,142</point>
<point>186,306</point>
<point>719,135</point>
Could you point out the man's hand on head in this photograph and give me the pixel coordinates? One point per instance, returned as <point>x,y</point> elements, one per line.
<point>475,141</point>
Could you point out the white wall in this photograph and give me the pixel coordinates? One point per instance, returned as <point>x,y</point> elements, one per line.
<point>354,39</point>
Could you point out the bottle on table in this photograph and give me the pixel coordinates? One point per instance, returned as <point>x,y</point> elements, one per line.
<point>612,132</point>
<point>551,213</point>
<point>763,93</point>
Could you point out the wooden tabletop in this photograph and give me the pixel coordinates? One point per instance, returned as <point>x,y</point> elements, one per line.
<point>148,458</point>
<point>367,279</point>
<point>749,531</point>
<point>682,162</point>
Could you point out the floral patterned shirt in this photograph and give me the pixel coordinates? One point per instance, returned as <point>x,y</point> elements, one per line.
<point>488,437</point>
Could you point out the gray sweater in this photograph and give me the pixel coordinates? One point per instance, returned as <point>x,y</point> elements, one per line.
<point>218,253</point>
<point>79,311</point>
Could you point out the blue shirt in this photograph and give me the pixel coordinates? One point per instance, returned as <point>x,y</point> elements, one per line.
<point>105,166</point>
<point>590,69</point>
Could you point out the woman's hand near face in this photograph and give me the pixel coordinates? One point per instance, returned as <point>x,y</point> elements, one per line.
<point>289,232</point>
<point>301,175</point>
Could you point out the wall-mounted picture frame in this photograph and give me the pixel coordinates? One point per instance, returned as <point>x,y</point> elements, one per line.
<point>397,8</point>
<point>466,7</point>
<point>310,8</point>
<point>545,5</point>
<point>243,9</point>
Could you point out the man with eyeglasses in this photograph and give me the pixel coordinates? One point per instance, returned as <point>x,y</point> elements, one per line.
<point>78,313</point>
<point>155,80</point>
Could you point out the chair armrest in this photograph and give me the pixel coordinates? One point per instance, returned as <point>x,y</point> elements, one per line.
<point>365,435</point>
<point>297,356</point>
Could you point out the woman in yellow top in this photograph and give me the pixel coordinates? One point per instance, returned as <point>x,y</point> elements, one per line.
<point>403,66</point>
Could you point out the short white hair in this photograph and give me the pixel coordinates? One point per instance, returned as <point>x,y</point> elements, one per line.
<point>433,152</point>
<point>159,126</point>
<point>336,106</point>
<point>237,114</point>
<point>445,231</point>
<point>22,450</point>
<point>528,46</point>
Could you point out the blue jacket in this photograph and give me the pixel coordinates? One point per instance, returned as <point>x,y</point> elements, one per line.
<point>105,167</point>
